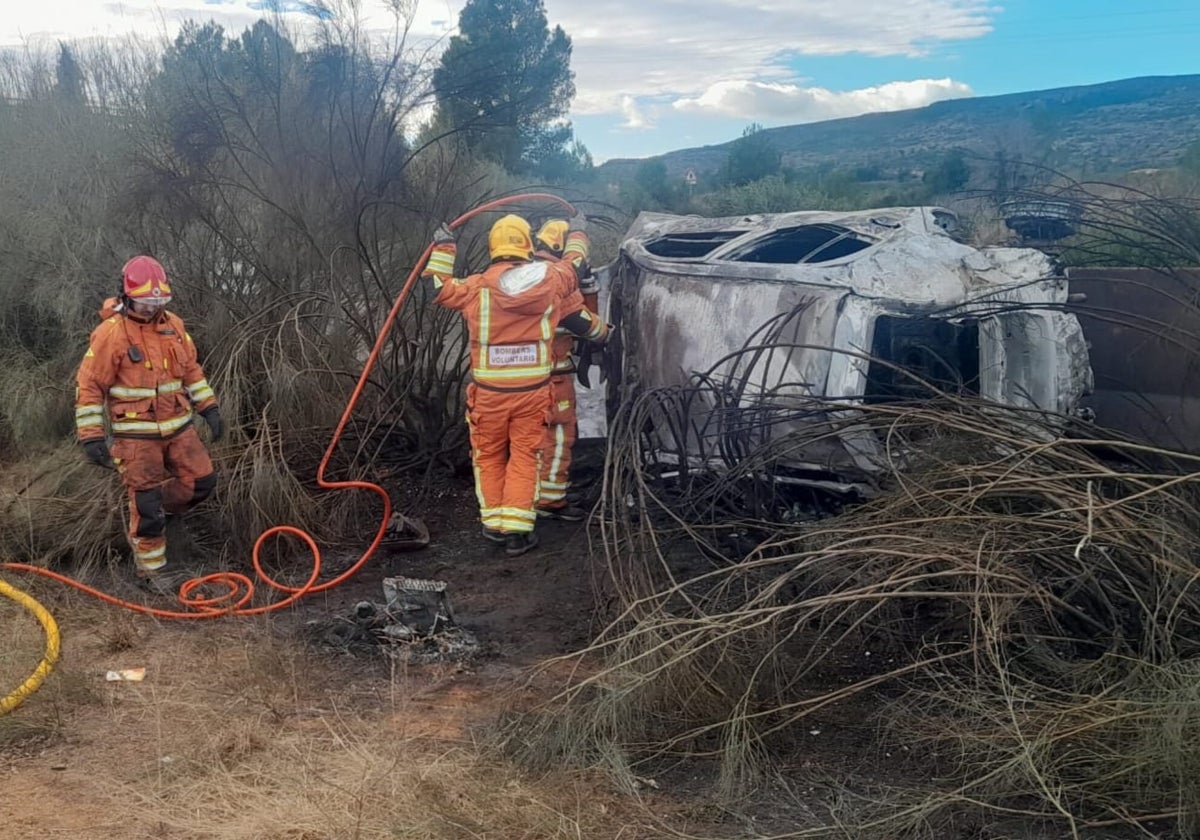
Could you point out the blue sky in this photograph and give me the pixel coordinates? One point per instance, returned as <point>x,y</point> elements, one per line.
<point>658,75</point>
<point>1036,45</point>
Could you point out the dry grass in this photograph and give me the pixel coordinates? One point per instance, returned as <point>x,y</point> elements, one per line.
<point>346,782</point>
<point>43,721</point>
<point>1031,601</point>
<point>240,732</point>
<point>58,506</point>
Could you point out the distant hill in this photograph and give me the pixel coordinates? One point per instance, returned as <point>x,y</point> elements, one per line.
<point>1092,129</point>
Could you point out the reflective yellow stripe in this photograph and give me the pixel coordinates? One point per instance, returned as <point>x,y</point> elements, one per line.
<point>539,372</point>
<point>577,246</point>
<point>85,424</point>
<point>559,445</point>
<point>484,373</point>
<point>564,365</point>
<point>485,329</point>
<point>440,262</point>
<point>149,426</point>
<point>123,393</point>
<point>150,560</point>
<point>516,526</point>
<point>478,484</point>
<point>518,513</point>
<point>88,411</point>
<point>134,426</point>
<point>200,391</point>
<point>176,423</point>
<point>169,387</point>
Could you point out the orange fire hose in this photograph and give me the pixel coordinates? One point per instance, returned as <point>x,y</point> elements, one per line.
<point>240,588</point>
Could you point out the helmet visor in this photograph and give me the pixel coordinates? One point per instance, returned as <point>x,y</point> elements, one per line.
<point>149,306</point>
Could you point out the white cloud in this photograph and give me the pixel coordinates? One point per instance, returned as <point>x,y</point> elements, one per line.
<point>632,58</point>
<point>675,48</point>
<point>43,21</point>
<point>623,48</point>
<point>632,114</point>
<point>770,102</point>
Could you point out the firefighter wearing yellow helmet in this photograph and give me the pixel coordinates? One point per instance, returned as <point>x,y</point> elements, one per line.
<point>557,242</point>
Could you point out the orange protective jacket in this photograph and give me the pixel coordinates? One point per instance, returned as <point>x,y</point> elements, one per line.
<point>564,340</point>
<point>145,373</point>
<point>512,310</point>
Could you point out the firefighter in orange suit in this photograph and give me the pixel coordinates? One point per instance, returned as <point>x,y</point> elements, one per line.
<point>554,242</point>
<point>141,377</point>
<point>512,309</point>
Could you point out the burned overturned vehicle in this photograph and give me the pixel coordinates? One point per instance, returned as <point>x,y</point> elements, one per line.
<point>753,339</point>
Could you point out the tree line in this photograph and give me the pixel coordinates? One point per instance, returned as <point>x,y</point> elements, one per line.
<point>283,177</point>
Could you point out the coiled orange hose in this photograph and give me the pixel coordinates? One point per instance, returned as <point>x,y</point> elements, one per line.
<point>240,588</point>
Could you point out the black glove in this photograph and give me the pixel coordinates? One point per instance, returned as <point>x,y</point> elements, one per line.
<point>588,352</point>
<point>97,452</point>
<point>581,368</point>
<point>212,416</point>
<point>444,235</point>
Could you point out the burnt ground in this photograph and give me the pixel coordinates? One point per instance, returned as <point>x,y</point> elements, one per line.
<point>527,609</point>
<point>524,611</point>
<point>523,608</point>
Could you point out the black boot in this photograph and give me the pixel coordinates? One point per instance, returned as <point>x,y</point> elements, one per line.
<point>518,544</point>
<point>566,513</point>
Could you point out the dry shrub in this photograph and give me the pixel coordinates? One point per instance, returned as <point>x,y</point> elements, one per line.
<point>288,363</point>
<point>281,205</point>
<point>1031,600</point>
<point>36,412</point>
<point>60,507</point>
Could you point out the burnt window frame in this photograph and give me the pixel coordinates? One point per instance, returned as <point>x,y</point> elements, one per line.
<point>886,382</point>
<point>683,239</point>
<point>747,252</point>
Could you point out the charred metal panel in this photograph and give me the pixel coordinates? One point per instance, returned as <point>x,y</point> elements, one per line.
<point>689,292</point>
<point>1143,329</point>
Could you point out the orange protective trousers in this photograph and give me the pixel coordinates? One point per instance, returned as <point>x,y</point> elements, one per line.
<point>161,476</point>
<point>508,429</point>
<point>561,433</point>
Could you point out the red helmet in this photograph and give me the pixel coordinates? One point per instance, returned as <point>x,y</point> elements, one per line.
<point>143,278</point>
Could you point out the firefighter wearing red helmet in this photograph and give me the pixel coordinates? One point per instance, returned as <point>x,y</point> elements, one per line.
<point>140,378</point>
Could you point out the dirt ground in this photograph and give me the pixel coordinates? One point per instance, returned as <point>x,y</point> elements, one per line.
<point>242,728</point>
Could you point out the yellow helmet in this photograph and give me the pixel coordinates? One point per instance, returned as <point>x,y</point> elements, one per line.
<point>510,238</point>
<point>553,234</point>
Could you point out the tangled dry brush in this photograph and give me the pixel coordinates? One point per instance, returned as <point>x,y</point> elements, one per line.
<point>1029,587</point>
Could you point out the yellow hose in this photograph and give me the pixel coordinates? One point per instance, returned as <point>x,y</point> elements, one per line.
<point>53,648</point>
